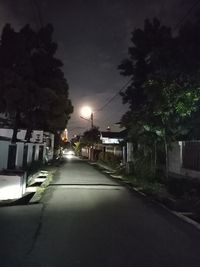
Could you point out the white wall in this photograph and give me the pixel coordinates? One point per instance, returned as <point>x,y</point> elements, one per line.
<point>12,186</point>
<point>129,152</point>
<point>37,148</point>
<point>19,155</point>
<point>175,158</point>
<point>37,136</point>
<point>9,132</point>
<point>30,153</point>
<point>175,162</point>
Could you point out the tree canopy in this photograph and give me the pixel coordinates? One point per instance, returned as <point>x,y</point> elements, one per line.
<point>164,92</point>
<point>163,95</point>
<point>34,91</point>
<point>91,137</point>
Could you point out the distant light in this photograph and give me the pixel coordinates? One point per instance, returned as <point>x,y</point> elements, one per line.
<point>86,111</point>
<point>68,152</point>
<point>69,156</point>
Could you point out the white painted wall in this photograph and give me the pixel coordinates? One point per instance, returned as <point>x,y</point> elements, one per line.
<point>9,132</point>
<point>49,146</point>
<point>129,152</point>
<point>12,186</point>
<point>19,155</point>
<point>30,153</point>
<point>37,136</point>
<point>175,158</point>
<point>37,149</point>
<point>124,155</point>
<point>175,162</point>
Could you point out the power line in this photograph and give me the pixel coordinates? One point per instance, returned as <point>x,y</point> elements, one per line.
<point>115,95</point>
<point>175,27</point>
<point>186,15</point>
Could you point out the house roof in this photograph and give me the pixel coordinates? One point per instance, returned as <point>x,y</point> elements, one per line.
<point>109,134</point>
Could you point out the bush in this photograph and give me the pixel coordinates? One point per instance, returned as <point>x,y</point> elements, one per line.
<point>110,159</point>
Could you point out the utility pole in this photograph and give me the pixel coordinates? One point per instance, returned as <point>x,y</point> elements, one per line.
<point>92,120</point>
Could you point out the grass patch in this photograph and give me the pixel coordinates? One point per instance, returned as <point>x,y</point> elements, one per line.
<point>110,160</point>
<point>148,186</point>
<point>40,191</point>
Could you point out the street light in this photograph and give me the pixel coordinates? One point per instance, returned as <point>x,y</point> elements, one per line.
<point>87,114</point>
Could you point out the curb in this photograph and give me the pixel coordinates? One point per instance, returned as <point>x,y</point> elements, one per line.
<point>175,213</point>
<point>41,189</point>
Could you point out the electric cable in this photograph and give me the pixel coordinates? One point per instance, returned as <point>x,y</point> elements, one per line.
<point>186,15</point>
<point>115,95</point>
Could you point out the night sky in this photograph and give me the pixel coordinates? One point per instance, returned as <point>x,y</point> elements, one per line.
<point>93,37</point>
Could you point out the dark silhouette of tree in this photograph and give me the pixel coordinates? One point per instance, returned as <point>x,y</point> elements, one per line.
<point>91,136</point>
<point>165,80</point>
<point>34,91</point>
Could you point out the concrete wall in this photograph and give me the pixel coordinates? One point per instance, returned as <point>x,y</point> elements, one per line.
<point>129,152</point>
<point>175,158</point>
<point>37,136</point>
<point>175,162</point>
<point>30,153</point>
<point>19,155</point>
<point>37,149</point>
<point>9,132</point>
<point>85,152</point>
<point>12,186</point>
<point>4,148</point>
<point>49,146</point>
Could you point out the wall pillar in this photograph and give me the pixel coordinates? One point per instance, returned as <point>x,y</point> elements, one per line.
<point>19,155</point>
<point>4,148</point>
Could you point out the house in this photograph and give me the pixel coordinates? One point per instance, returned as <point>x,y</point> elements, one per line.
<point>112,138</point>
<point>112,143</point>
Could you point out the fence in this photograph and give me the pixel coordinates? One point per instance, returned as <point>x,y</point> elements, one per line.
<point>115,150</point>
<point>191,155</point>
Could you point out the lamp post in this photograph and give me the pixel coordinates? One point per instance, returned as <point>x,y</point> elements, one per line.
<point>88,115</point>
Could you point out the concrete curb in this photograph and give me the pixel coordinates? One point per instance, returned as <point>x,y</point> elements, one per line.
<point>41,189</point>
<point>175,213</point>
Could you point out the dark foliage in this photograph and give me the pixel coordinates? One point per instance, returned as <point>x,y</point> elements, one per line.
<point>34,91</point>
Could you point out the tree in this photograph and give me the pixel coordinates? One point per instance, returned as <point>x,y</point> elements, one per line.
<point>33,87</point>
<point>91,136</point>
<point>164,92</point>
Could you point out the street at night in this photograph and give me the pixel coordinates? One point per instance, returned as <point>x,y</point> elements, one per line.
<point>86,219</point>
<point>100,133</point>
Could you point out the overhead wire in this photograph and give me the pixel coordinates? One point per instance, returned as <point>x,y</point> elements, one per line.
<point>196,3</point>
<point>115,95</point>
<point>174,28</point>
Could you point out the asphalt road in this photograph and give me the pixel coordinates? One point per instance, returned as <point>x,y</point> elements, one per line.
<point>86,219</point>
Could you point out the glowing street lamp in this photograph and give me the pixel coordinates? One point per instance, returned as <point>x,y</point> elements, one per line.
<point>87,114</point>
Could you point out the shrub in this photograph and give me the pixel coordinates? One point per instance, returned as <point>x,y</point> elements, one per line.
<point>110,159</point>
